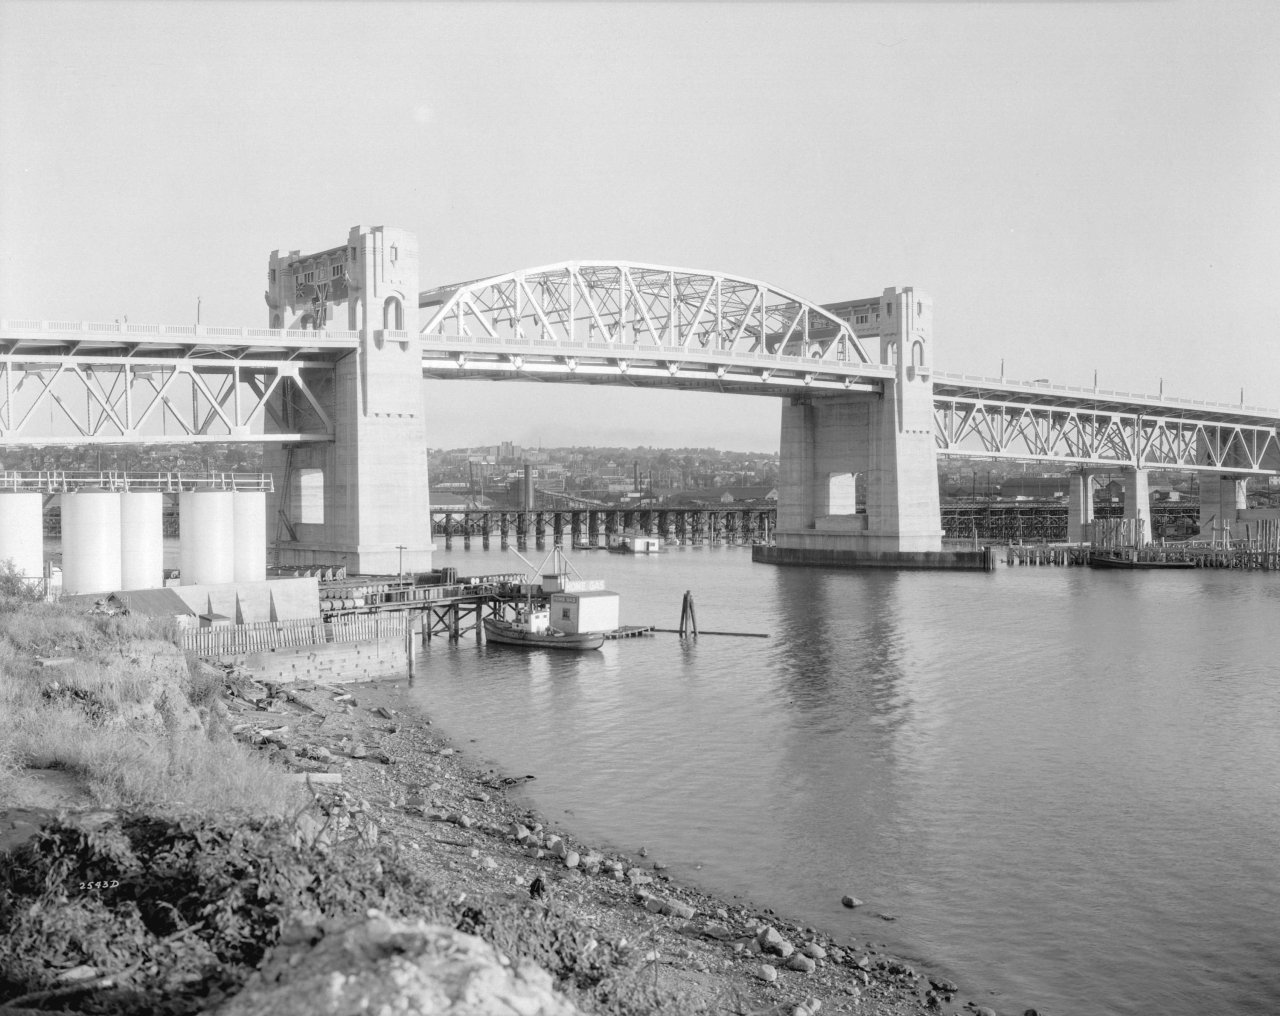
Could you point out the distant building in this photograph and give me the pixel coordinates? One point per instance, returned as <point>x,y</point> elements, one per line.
<point>457,498</point>
<point>1034,487</point>
<point>710,496</point>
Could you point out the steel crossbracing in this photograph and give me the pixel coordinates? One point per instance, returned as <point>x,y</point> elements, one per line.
<point>1026,422</point>
<point>76,383</point>
<point>601,322</point>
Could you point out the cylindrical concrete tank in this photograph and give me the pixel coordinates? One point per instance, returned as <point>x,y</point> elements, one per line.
<point>90,541</point>
<point>22,531</point>
<point>206,521</point>
<point>250,511</point>
<point>141,540</point>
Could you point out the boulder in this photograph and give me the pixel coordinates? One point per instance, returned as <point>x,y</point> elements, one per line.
<point>769,939</point>
<point>801,963</point>
<point>385,965</point>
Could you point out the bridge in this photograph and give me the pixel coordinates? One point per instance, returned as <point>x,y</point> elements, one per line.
<point>333,390</point>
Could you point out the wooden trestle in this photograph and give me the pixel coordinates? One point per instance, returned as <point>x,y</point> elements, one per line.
<point>997,521</point>
<point>591,526</point>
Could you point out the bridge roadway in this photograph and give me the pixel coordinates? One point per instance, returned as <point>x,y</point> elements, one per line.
<point>77,383</point>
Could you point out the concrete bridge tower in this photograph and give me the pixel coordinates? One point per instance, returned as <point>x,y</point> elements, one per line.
<point>859,480</point>
<point>362,500</point>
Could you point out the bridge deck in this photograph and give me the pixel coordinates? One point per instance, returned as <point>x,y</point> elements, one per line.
<point>128,379</point>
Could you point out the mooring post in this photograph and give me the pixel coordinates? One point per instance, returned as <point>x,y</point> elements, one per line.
<point>688,619</point>
<point>408,644</point>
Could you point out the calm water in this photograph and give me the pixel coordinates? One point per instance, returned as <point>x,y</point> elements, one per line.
<point>1064,784</point>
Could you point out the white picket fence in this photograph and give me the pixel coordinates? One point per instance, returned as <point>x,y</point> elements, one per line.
<point>230,640</point>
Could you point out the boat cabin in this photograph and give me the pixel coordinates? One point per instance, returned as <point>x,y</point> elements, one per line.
<point>537,620</point>
<point>594,610</point>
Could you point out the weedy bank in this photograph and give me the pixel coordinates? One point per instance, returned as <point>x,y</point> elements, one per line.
<point>198,859</point>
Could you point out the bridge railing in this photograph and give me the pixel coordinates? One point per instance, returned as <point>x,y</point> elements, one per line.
<point>1110,393</point>
<point>57,481</point>
<point>36,329</point>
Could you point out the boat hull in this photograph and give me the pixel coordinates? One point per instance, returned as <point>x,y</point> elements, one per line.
<point>508,635</point>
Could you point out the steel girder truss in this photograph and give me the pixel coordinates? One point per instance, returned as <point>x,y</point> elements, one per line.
<point>581,316</point>
<point>86,399</point>
<point>993,428</point>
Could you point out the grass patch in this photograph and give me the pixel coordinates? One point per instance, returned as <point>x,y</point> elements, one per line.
<point>138,721</point>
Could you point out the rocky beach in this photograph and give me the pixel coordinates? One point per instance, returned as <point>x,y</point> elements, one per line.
<point>377,764</point>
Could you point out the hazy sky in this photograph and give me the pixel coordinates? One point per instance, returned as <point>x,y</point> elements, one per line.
<point>1078,186</point>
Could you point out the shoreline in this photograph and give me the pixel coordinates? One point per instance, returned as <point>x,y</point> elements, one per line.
<point>454,816</point>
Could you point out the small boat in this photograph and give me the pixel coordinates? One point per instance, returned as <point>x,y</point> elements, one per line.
<point>532,630</point>
<point>634,543</point>
<point>1129,560</point>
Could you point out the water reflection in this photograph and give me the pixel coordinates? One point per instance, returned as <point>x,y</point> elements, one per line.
<point>839,643</point>
<point>1040,772</point>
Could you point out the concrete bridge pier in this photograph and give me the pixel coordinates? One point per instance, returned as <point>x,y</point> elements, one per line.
<point>356,500</point>
<point>1080,505</point>
<point>1137,503</point>
<point>844,451</point>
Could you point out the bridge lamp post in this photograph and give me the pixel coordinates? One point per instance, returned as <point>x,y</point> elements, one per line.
<point>401,547</point>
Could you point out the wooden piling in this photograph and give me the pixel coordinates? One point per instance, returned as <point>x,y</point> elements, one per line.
<point>688,617</point>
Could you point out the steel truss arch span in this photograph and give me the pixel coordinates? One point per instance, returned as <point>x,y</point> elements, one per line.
<point>642,308</point>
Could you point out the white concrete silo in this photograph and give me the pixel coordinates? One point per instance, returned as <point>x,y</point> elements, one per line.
<point>206,525</point>
<point>22,531</point>
<point>250,511</point>
<point>141,540</point>
<point>90,541</point>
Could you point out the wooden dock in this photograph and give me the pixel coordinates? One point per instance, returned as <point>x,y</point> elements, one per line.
<point>630,631</point>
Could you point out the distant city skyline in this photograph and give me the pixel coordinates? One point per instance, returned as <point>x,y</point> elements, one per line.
<point>1079,187</point>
